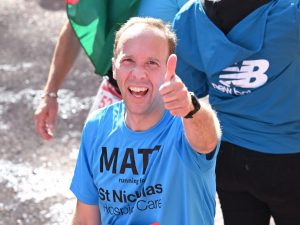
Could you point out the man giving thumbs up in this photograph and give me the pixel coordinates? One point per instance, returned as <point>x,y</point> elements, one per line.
<point>145,160</point>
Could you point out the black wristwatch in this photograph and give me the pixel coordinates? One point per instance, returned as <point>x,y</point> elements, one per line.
<point>196,105</point>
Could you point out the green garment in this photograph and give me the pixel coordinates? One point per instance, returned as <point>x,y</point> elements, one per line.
<point>95,23</point>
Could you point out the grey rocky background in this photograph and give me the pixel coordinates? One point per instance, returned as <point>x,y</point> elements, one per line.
<point>35,174</point>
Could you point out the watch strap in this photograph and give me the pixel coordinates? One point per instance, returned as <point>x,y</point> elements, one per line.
<point>196,105</point>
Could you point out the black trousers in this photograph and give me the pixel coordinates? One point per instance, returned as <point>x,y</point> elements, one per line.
<point>253,186</point>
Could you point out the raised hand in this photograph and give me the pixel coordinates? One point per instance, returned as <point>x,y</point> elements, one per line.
<point>173,91</point>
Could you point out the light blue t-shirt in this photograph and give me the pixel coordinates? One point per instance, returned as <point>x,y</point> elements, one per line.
<point>252,74</point>
<point>165,10</point>
<point>148,177</point>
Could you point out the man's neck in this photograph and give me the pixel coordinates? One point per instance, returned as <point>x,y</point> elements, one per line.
<point>137,122</point>
<point>225,14</point>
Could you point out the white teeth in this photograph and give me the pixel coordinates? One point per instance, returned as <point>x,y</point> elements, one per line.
<point>138,89</point>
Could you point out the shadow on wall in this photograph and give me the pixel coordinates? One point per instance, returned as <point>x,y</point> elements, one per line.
<point>53,5</point>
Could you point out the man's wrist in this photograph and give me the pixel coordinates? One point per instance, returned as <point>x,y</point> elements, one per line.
<point>196,106</point>
<point>50,94</point>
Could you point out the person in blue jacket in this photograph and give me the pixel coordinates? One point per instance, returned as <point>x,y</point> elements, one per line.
<point>245,55</point>
<point>150,158</point>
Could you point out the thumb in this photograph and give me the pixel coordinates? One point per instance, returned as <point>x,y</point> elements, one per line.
<point>171,67</point>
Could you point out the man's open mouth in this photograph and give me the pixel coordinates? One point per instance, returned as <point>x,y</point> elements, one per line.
<point>138,91</point>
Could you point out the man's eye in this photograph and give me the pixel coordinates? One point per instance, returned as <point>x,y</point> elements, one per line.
<point>127,61</point>
<point>152,63</point>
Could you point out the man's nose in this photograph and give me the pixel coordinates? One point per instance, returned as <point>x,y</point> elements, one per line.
<point>139,72</point>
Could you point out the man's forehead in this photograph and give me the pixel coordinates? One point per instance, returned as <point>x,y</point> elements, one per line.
<point>140,29</point>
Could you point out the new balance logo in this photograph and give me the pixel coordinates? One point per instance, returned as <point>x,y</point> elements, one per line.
<point>239,79</point>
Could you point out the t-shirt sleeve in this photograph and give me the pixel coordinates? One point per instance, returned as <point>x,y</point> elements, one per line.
<point>194,160</point>
<point>207,161</point>
<point>82,184</point>
<point>201,161</point>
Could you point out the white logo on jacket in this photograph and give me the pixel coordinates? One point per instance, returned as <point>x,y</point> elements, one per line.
<point>250,74</point>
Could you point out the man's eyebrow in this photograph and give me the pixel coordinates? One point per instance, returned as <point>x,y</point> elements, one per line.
<point>123,55</point>
<point>154,59</point>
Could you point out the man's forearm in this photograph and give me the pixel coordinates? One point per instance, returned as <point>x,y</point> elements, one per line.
<point>65,54</point>
<point>203,130</point>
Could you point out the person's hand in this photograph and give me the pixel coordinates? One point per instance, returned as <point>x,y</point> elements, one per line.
<point>45,117</point>
<point>173,91</point>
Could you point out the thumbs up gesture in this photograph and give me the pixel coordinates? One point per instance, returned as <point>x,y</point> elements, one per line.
<point>174,93</point>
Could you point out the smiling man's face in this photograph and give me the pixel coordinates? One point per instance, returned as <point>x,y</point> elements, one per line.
<point>139,67</point>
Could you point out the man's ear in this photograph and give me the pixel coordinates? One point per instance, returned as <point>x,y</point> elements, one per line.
<point>114,68</point>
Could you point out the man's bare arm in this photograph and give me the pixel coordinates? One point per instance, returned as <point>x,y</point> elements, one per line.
<point>86,214</point>
<point>66,51</point>
<point>203,129</point>
<point>65,54</point>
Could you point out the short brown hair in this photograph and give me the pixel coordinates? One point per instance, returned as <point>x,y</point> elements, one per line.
<point>150,22</point>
